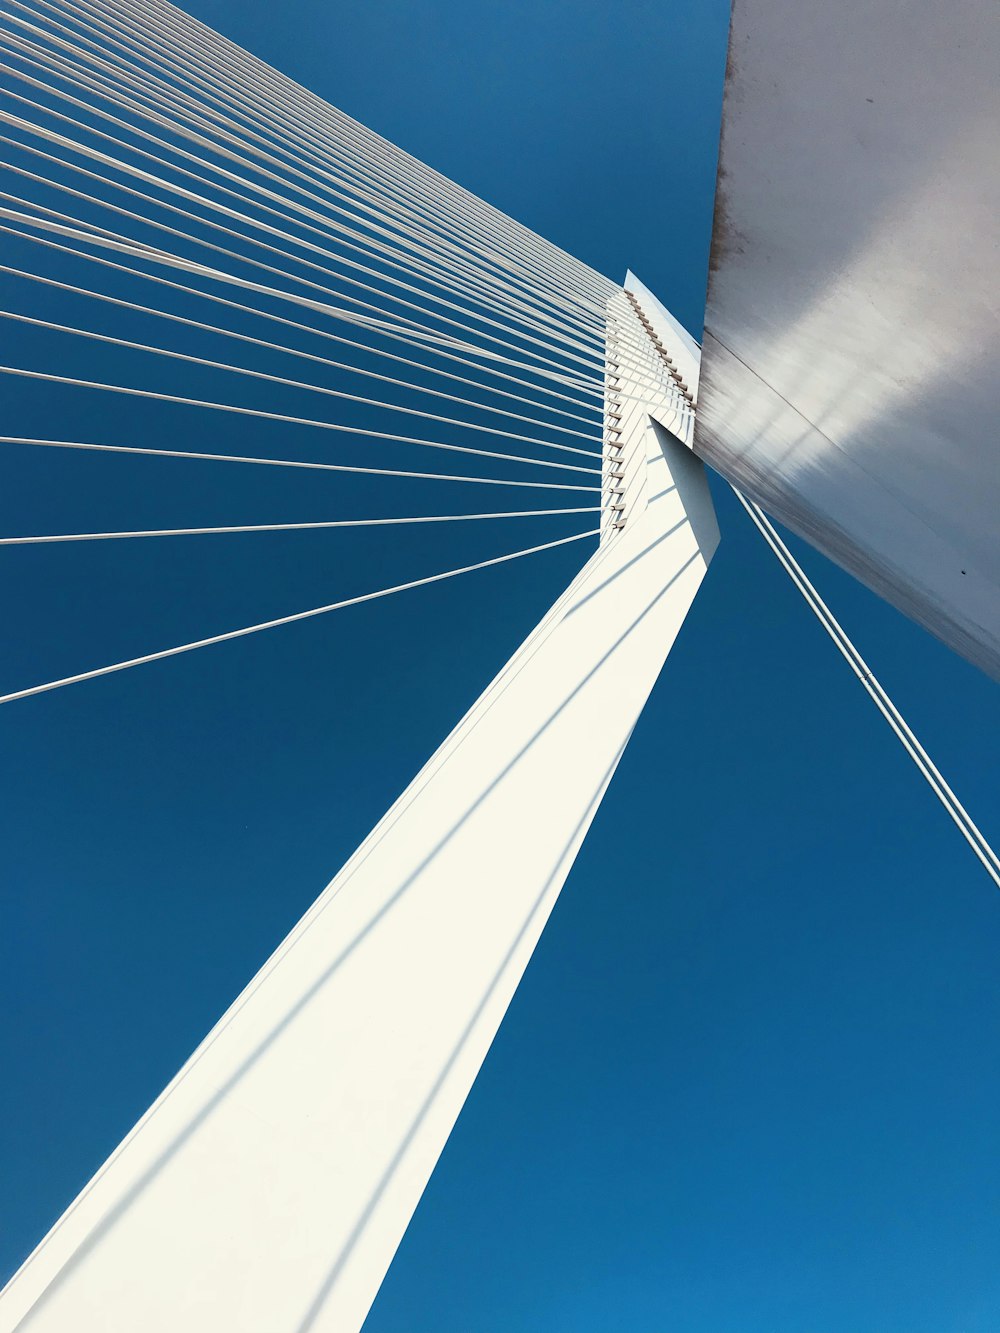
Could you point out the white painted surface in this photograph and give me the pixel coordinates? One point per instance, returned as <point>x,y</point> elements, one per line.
<point>267,1189</point>
<point>636,380</point>
<point>684,350</point>
<point>850,381</point>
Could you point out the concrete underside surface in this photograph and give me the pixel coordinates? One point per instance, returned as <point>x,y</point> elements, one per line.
<point>849,377</point>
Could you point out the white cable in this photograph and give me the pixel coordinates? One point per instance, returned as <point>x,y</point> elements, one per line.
<point>411,329</point>
<point>298,352</point>
<point>379,155</point>
<point>404,330</point>
<point>493,291</point>
<point>289,462</point>
<point>326,334</point>
<point>179,72</point>
<point>426,341</point>
<point>192,52</point>
<point>287,620</point>
<point>288,527</point>
<point>495,299</point>
<point>289,95</point>
<point>90,334</point>
<point>629,346</point>
<point>106,161</point>
<point>336,426</point>
<point>329,126</point>
<point>660,379</point>
<point>961,817</point>
<point>65,227</point>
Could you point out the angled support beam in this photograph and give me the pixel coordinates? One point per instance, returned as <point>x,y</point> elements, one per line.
<point>268,1187</point>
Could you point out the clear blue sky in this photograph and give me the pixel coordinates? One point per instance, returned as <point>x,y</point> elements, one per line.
<point>750,1081</point>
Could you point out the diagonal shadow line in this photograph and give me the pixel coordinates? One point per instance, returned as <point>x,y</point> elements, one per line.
<point>882,483</point>
<point>484,705</point>
<point>114,1215</point>
<point>358,1229</point>
<point>634,560</point>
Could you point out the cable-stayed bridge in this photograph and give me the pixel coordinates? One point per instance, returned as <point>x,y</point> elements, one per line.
<point>172,205</point>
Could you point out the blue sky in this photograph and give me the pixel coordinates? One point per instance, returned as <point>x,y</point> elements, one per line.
<point>749,1083</point>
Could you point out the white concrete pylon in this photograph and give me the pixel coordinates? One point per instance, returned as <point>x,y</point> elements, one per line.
<point>268,1187</point>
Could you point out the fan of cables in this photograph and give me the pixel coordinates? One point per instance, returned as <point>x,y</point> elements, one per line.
<point>195,246</point>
